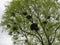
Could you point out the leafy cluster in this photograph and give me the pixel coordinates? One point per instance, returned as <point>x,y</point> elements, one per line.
<point>36,20</point>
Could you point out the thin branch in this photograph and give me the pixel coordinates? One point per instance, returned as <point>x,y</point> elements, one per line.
<point>55,34</point>
<point>43,28</point>
<point>41,38</point>
<point>29,33</point>
<point>47,36</point>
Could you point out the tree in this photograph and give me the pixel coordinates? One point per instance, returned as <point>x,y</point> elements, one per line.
<point>36,20</point>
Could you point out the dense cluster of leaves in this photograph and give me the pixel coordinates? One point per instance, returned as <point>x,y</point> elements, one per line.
<point>36,20</point>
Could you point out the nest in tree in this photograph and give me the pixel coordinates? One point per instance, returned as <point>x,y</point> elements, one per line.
<point>28,17</point>
<point>48,17</point>
<point>10,33</point>
<point>8,25</point>
<point>44,22</point>
<point>34,26</point>
<point>15,28</point>
<point>13,14</point>
<point>24,13</point>
<point>15,23</point>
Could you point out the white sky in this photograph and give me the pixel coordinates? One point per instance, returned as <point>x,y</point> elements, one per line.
<point>5,39</point>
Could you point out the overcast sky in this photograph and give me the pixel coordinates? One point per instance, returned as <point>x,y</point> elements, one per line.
<point>5,39</point>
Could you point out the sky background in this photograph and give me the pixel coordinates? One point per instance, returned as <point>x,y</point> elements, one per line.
<point>5,39</point>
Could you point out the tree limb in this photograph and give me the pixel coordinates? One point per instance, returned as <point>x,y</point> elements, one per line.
<point>47,36</point>
<point>55,33</point>
<point>41,38</point>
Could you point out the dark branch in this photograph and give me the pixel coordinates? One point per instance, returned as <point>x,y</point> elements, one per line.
<point>55,33</point>
<point>41,38</point>
<point>44,29</point>
<point>29,33</point>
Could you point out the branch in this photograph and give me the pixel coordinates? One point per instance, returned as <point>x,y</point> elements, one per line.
<point>28,32</point>
<point>47,36</point>
<point>55,34</point>
<point>41,38</point>
<point>26,37</point>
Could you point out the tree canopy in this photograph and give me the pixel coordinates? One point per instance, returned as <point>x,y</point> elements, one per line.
<point>36,20</point>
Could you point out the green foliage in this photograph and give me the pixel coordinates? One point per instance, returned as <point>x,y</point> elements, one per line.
<point>34,19</point>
